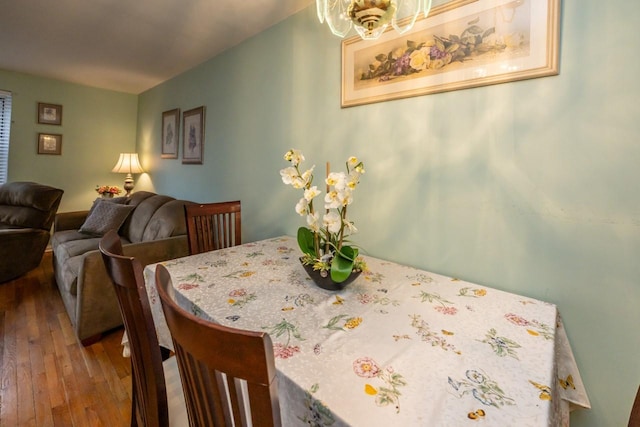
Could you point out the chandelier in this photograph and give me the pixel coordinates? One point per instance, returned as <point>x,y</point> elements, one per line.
<point>370,18</point>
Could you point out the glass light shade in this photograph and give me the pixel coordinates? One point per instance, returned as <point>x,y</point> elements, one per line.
<point>406,15</point>
<point>370,18</point>
<point>321,5</point>
<point>128,163</point>
<point>335,13</point>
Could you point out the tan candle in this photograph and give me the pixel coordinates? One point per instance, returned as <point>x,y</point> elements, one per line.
<point>328,170</point>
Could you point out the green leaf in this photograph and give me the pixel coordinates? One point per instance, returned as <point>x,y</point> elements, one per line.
<point>489,32</point>
<point>305,241</point>
<point>452,48</point>
<point>342,264</point>
<point>474,29</point>
<point>349,252</point>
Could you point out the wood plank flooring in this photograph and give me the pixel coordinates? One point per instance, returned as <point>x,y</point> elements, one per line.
<point>47,378</point>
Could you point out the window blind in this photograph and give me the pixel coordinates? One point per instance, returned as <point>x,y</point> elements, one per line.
<point>5,128</point>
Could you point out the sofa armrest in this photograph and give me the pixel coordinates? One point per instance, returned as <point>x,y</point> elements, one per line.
<point>69,220</point>
<point>97,309</point>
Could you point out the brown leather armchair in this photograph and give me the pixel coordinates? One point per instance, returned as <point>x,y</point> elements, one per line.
<point>27,210</point>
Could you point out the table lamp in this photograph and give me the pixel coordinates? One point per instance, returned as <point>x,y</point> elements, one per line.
<point>128,163</point>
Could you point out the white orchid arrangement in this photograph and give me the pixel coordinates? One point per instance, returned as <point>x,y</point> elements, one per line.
<point>324,241</point>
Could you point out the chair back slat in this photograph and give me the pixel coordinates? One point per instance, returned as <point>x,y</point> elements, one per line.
<point>212,226</point>
<point>149,396</point>
<point>228,374</point>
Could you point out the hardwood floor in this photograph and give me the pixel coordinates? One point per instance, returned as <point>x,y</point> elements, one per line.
<point>47,378</point>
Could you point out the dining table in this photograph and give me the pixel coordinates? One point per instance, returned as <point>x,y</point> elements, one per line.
<point>398,346</point>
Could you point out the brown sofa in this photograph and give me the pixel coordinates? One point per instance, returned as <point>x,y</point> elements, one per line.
<point>27,210</point>
<point>154,230</point>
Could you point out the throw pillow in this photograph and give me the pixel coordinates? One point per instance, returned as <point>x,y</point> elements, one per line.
<point>117,200</point>
<point>105,216</point>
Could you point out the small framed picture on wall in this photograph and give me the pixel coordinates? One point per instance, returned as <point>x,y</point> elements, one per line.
<point>193,136</point>
<point>49,114</point>
<point>170,134</point>
<point>49,143</point>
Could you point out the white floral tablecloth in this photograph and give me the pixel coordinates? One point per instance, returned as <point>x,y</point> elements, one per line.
<point>398,347</point>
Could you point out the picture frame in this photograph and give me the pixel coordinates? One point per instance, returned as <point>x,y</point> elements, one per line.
<point>50,143</point>
<point>170,134</point>
<point>461,44</point>
<point>193,136</point>
<point>49,114</point>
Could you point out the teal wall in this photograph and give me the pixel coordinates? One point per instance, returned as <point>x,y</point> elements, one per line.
<point>530,187</point>
<point>97,125</point>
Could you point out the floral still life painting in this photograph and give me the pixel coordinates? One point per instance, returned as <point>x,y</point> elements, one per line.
<point>480,43</point>
<point>436,52</point>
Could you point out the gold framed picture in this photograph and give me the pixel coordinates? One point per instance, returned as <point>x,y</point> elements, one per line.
<point>170,134</point>
<point>49,143</point>
<point>49,114</point>
<point>193,136</point>
<point>461,44</point>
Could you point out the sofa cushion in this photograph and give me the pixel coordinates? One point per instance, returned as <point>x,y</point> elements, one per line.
<point>166,222</point>
<point>135,225</point>
<point>69,243</point>
<point>105,216</point>
<point>138,197</point>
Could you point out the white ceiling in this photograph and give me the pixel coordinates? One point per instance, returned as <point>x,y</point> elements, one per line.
<point>127,45</point>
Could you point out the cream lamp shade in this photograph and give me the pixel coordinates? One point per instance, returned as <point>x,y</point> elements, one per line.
<point>128,163</point>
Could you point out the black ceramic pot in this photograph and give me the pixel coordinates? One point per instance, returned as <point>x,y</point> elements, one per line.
<point>326,282</point>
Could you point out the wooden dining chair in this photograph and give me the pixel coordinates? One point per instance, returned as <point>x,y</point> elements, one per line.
<point>228,375</point>
<point>212,226</point>
<point>157,398</point>
<point>634,418</point>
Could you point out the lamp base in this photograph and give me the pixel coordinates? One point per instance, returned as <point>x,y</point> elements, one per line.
<point>128,184</point>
